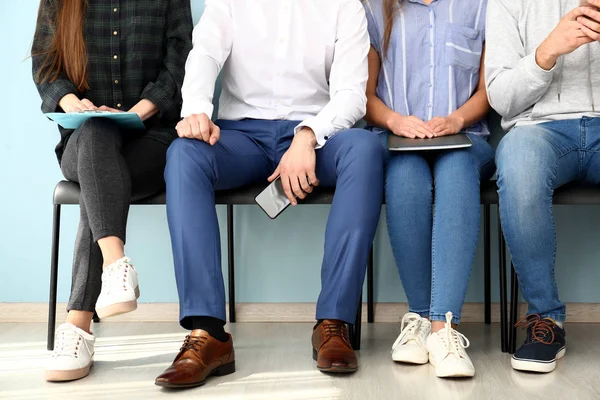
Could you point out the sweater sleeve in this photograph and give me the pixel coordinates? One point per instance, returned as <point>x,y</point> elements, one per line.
<point>514,80</point>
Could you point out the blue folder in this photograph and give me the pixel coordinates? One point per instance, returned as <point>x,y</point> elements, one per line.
<point>126,120</point>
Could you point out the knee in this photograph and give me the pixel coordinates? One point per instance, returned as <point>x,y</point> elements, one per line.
<point>189,156</point>
<point>525,164</point>
<point>362,148</point>
<point>458,163</point>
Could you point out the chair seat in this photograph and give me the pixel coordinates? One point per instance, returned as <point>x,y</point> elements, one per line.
<point>67,192</point>
<point>573,194</point>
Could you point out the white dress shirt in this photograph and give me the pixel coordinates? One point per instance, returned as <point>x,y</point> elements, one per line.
<point>302,60</point>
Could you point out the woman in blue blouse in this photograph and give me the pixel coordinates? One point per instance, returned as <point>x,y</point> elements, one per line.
<point>424,82</point>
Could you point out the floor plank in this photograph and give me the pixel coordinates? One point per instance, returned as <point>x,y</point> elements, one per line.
<point>274,362</point>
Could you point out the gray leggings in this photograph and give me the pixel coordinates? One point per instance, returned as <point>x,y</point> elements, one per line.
<point>112,168</point>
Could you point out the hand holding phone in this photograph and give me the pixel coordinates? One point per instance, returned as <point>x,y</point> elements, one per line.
<point>590,20</point>
<point>273,199</point>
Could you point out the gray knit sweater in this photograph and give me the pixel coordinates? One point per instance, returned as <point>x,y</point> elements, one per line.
<point>518,89</point>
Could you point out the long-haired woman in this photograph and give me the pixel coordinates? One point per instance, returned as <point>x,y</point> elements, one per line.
<point>126,55</point>
<point>425,82</point>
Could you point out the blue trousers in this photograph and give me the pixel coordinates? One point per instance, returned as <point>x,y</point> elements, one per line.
<point>433,207</point>
<point>248,152</point>
<point>532,162</point>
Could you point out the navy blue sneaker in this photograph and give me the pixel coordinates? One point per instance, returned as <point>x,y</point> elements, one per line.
<point>544,345</point>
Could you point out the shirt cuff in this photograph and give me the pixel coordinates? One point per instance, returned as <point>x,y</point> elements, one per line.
<point>197,107</point>
<point>537,73</point>
<point>323,130</point>
<point>55,93</point>
<point>161,98</point>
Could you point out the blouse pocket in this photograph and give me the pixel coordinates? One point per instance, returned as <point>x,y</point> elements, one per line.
<point>463,47</point>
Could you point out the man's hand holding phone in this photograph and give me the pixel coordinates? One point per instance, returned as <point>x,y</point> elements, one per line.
<point>567,37</point>
<point>297,167</point>
<point>200,127</point>
<point>590,20</point>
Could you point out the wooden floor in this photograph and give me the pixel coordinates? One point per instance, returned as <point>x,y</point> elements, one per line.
<point>274,362</point>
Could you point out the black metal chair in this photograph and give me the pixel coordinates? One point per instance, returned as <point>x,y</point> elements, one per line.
<point>67,193</point>
<point>571,194</point>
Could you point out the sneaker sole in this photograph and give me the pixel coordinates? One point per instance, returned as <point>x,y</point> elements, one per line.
<point>115,309</point>
<point>418,359</point>
<point>220,371</point>
<point>536,365</point>
<point>455,374</point>
<point>65,376</point>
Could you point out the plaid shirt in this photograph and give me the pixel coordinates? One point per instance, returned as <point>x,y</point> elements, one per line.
<point>136,50</point>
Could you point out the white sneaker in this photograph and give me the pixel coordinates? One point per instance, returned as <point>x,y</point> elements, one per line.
<point>73,354</point>
<point>410,347</point>
<point>120,289</point>
<point>447,352</point>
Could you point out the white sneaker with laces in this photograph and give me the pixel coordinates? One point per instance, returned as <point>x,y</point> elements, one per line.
<point>73,354</point>
<point>410,347</point>
<point>447,352</point>
<point>120,289</point>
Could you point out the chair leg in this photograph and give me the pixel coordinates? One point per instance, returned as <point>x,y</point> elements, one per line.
<point>514,310</point>
<point>355,331</point>
<point>370,289</point>
<point>53,276</point>
<point>96,318</point>
<point>230,260</point>
<point>502,273</point>
<point>487,265</point>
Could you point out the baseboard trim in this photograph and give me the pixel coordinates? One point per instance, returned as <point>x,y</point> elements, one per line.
<point>277,312</point>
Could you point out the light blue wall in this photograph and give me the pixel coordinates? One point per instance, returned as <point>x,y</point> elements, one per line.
<point>277,261</point>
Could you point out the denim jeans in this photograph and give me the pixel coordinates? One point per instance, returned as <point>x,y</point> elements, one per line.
<point>532,162</point>
<point>433,217</point>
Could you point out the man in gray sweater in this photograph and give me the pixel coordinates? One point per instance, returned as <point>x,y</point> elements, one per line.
<point>542,71</point>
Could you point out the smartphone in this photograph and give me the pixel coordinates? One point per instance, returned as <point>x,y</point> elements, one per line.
<point>273,200</point>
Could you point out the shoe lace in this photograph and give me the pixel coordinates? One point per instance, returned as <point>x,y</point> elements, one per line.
<point>454,340</point>
<point>193,343</point>
<point>335,329</point>
<point>68,342</point>
<point>538,329</point>
<point>409,330</point>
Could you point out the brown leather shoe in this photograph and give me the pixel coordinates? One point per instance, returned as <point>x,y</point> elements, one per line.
<point>200,356</point>
<point>332,349</point>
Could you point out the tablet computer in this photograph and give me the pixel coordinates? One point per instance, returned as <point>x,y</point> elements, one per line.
<point>450,142</point>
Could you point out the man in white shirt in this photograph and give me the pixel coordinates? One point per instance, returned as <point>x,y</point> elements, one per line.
<point>294,74</point>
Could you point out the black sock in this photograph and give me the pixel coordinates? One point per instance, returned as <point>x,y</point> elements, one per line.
<point>214,326</point>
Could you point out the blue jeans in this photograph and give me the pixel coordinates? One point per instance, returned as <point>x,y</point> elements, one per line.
<point>532,162</point>
<point>433,217</point>
<point>247,153</point>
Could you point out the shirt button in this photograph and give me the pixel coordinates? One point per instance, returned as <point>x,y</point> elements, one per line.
<point>430,85</point>
<point>430,26</point>
<point>116,81</point>
<point>429,105</point>
<point>115,33</point>
<point>119,105</point>
<point>115,56</point>
<point>430,65</point>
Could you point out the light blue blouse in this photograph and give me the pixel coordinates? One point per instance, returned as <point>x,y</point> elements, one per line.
<point>432,66</point>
